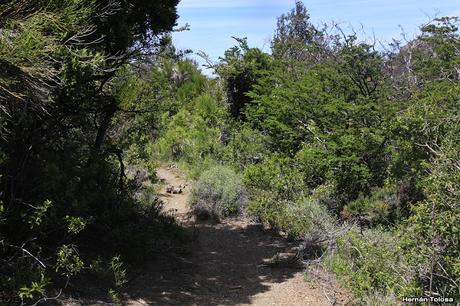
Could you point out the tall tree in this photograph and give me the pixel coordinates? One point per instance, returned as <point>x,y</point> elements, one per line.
<point>240,68</point>
<point>296,38</point>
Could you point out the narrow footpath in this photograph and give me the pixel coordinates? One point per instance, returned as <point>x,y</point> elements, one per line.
<point>235,262</point>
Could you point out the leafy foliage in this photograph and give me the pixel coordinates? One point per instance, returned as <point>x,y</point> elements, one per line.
<point>239,68</point>
<point>62,174</point>
<point>373,262</point>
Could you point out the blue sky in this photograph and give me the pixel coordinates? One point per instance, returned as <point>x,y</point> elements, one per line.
<point>213,22</point>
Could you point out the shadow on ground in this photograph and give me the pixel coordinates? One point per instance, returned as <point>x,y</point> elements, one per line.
<point>224,264</point>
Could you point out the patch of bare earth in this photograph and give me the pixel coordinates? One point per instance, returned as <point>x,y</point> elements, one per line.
<point>231,263</point>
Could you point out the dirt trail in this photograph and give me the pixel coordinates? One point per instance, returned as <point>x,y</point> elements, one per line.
<point>224,264</point>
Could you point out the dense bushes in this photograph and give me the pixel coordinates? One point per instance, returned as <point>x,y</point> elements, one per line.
<point>192,136</point>
<point>64,198</point>
<point>279,196</point>
<point>219,192</point>
<point>244,146</point>
<point>431,234</point>
<point>372,262</point>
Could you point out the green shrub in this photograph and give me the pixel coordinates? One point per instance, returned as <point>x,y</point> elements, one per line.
<point>306,218</point>
<point>192,137</point>
<point>373,209</point>
<point>377,298</point>
<point>431,235</point>
<point>277,175</point>
<point>218,193</point>
<point>303,219</point>
<point>326,196</point>
<point>312,162</point>
<point>280,197</point>
<point>245,147</point>
<point>272,186</point>
<point>372,261</point>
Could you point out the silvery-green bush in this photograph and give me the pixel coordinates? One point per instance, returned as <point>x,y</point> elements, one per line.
<point>219,192</point>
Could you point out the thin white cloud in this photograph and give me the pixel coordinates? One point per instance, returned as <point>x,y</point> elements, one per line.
<point>192,4</point>
<point>240,23</point>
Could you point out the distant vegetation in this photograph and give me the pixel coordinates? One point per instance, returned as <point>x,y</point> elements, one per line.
<point>351,149</point>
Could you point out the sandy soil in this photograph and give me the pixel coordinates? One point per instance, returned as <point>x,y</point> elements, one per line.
<point>230,263</point>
